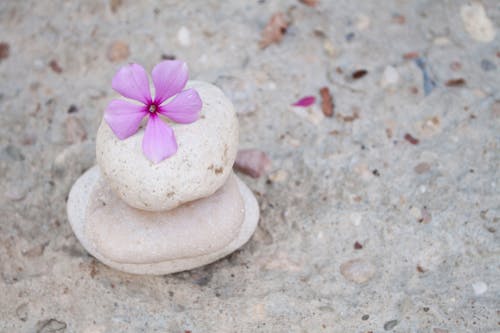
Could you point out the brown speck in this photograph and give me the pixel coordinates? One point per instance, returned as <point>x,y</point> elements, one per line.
<point>274,30</point>
<point>327,105</point>
<point>455,82</point>
<point>170,194</point>
<point>351,118</point>
<point>54,65</point>
<point>359,74</point>
<point>388,132</point>
<point>4,50</point>
<point>376,173</point>
<point>334,132</point>
<point>399,19</point>
<point>339,70</point>
<point>411,139</point>
<point>72,109</point>
<point>218,170</point>
<point>310,3</point>
<point>93,269</point>
<point>115,4</point>
<point>118,51</point>
<point>358,246</point>
<point>35,251</point>
<point>410,55</point>
<point>420,269</point>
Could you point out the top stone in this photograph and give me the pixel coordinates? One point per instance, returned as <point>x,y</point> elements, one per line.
<point>204,159</point>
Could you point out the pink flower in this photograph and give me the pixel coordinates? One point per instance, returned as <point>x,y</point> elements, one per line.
<point>169,80</point>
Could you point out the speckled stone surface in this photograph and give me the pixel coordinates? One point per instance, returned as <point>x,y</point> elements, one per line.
<point>203,162</point>
<point>424,217</point>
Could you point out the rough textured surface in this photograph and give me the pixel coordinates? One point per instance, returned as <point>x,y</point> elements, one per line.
<point>206,153</point>
<point>155,243</point>
<point>431,235</point>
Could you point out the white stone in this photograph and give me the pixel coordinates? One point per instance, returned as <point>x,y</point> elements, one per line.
<point>206,153</point>
<point>479,288</point>
<point>184,36</point>
<point>141,242</point>
<point>389,77</point>
<point>477,23</point>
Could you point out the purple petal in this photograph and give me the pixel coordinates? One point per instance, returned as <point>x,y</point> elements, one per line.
<point>131,81</point>
<point>184,108</point>
<point>124,118</point>
<point>169,78</point>
<point>305,101</point>
<point>159,140</point>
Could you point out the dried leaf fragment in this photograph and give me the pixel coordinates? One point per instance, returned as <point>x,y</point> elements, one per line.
<point>252,162</point>
<point>359,74</point>
<point>327,105</point>
<point>274,30</point>
<point>411,139</point>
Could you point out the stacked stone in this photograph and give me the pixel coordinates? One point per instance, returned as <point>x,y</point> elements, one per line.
<point>184,212</point>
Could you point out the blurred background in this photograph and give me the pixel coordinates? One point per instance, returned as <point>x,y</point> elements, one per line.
<point>380,212</point>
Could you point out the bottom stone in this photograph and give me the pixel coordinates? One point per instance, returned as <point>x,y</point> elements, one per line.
<point>139,242</point>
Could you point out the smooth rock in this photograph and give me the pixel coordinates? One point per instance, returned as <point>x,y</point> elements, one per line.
<point>357,270</point>
<point>206,153</point>
<point>158,243</point>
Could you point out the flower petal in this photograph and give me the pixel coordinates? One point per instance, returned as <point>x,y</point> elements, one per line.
<point>184,108</point>
<point>169,78</point>
<point>124,118</point>
<point>131,81</point>
<point>159,140</point>
<point>305,101</point>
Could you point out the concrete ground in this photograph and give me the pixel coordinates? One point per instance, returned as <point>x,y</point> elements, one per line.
<point>384,217</point>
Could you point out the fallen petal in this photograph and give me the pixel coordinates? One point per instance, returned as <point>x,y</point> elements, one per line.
<point>252,162</point>
<point>131,81</point>
<point>169,78</point>
<point>159,140</point>
<point>124,118</point>
<point>184,108</point>
<point>305,101</point>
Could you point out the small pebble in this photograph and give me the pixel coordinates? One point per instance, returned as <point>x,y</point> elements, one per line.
<point>118,51</point>
<point>15,193</point>
<point>357,270</point>
<point>252,162</point>
<point>479,288</point>
<point>350,36</point>
<point>390,76</point>
<point>390,325</point>
<point>359,74</point>
<point>477,23</point>
<point>51,325</point>
<point>363,22</point>
<point>422,168</point>
<point>75,131</point>
<point>487,65</point>
<point>184,36</point>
